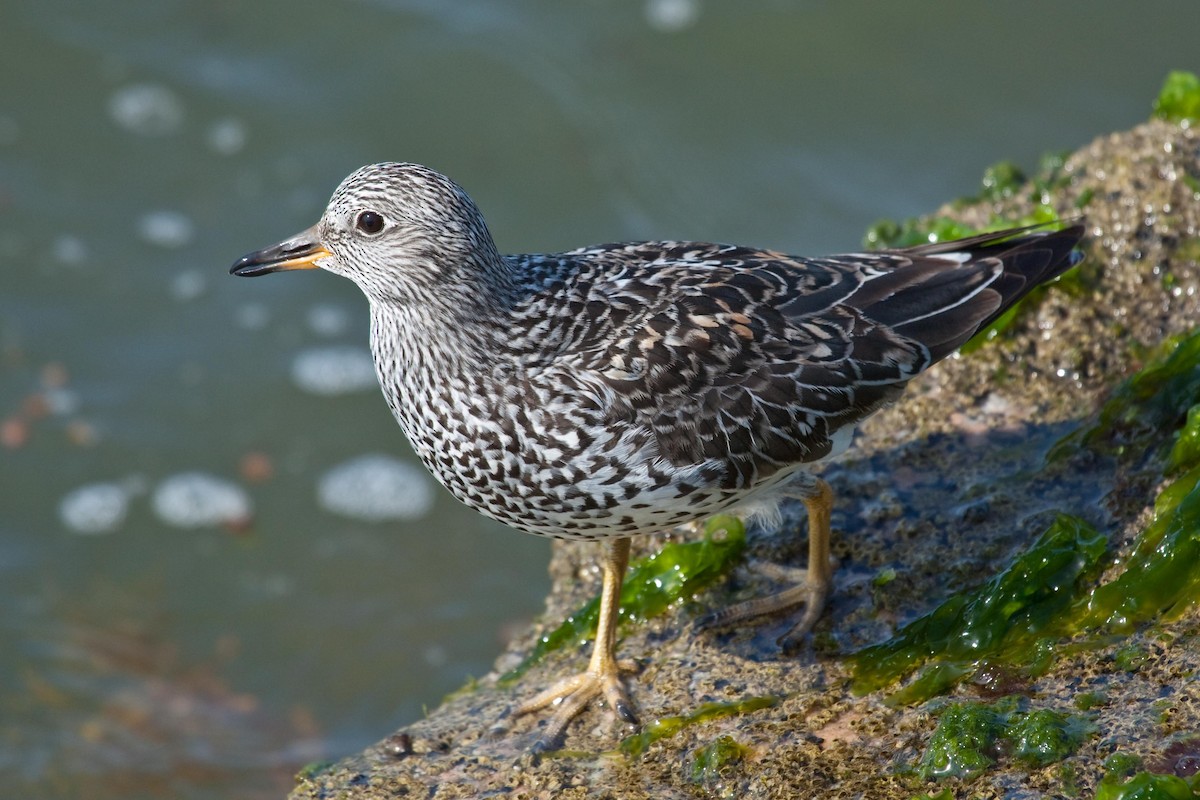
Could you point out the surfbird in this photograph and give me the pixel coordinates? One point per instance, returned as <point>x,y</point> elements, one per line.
<point>622,389</point>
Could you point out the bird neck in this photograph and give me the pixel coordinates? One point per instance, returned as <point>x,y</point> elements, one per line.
<point>437,372</point>
<point>437,332</point>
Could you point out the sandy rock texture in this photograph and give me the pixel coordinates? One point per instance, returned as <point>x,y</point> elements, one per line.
<point>941,491</point>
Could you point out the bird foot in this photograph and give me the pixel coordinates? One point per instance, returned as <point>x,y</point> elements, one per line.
<point>571,695</point>
<point>810,593</point>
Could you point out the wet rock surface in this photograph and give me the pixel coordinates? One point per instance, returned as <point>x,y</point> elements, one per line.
<point>940,492</point>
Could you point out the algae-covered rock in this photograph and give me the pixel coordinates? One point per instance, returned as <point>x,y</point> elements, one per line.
<point>1026,521</point>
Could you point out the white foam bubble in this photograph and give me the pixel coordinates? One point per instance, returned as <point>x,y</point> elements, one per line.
<point>334,370</point>
<point>327,320</point>
<point>188,285</point>
<point>435,655</point>
<point>95,508</point>
<point>669,16</point>
<point>227,136</point>
<point>146,109</point>
<point>169,229</point>
<point>252,316</point>
<point>60,401</point>
<point>198,500</point>
<point>376,488</point>
<point>69,250</point>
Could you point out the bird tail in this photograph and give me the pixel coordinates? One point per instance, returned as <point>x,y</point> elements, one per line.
<point>944,308</point>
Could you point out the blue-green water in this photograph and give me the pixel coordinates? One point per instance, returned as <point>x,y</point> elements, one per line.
<point>146,145</point>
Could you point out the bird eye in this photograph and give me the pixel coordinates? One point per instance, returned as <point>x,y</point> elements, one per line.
<point>369,222</point>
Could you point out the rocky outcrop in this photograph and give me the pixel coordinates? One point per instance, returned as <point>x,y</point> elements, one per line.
<point>1069,424</point>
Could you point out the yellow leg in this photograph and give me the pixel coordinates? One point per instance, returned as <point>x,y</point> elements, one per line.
<point>815,589</point>
<point>603,675</point>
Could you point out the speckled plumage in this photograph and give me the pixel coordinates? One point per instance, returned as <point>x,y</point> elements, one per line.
<point>625,388</point>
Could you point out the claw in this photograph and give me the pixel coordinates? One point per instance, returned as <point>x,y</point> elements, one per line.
<point>625,712</point>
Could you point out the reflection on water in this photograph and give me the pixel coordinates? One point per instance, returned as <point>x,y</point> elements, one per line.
<point>97,507</point>
<point>136,717</point>
<point>200,500</point>
<point>376,488</point>
<point>334,370</point>
<point>218,558</point>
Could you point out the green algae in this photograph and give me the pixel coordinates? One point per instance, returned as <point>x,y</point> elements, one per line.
<point>313,769</point>
<point>1130,657</point>
<point>1121,765</point>
<point>935,678</point>
<point>1144,406</point>
<point>1043,736</point>
<point>1001,181</point>
<point>1154,411</point>
<point>914,231</point>
<point>652,584</point>
<point>1001,620</point>
<point>1018,617</point>
<point>1141,785</point>
<point>1086,701</point>
<point>971,737</point>
<point>711,763</point>
<point>1068,779</point>
<point>1185,452</point>
<point>889,233</point>
<point>666,727</point>
<point>964,743</point>
<point>1179,98</point>
<point>1160,578</point>
<point>1149,786</point>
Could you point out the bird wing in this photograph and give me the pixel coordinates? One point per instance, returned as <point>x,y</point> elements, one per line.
<point>758,359</point>
<point>723,369</point>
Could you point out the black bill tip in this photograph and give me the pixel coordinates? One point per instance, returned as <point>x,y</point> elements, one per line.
<point>302,251</point>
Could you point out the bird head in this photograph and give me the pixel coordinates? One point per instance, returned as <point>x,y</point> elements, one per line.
<point>395,229</point>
